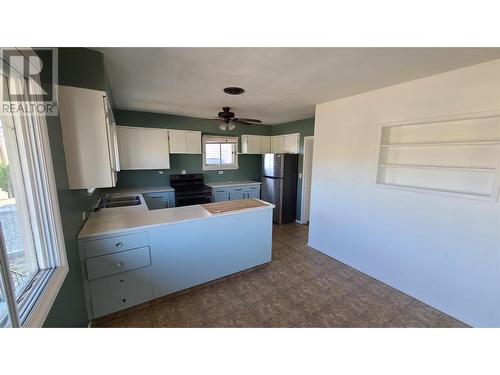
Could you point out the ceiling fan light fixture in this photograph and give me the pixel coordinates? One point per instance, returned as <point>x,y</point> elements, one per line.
<point>234,90</point>
<point>231,126</point>
<point>223,126</point>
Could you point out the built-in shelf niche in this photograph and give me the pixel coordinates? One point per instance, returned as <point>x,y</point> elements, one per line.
<point>455,155</point>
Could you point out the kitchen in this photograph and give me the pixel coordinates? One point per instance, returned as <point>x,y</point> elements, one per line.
<point>223,187</point>
<point>219,210</point>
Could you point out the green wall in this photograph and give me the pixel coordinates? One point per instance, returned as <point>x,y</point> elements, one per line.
<point>305,128</point>
<point>85,68</point>
<point>249,165</point>
<point>78,67</point>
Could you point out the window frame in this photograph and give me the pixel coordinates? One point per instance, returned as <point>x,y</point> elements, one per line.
<point>215,139</point>
<point>34,303</point>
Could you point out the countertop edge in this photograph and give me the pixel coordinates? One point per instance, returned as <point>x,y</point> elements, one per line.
<point>143,227</point>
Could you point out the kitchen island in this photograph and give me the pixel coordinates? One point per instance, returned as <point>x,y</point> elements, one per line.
<point>131,255</point>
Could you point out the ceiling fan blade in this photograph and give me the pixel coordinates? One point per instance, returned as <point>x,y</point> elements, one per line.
<point>242,122</point>
<point>248,120</point>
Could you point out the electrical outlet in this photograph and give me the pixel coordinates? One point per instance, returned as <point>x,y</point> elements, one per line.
<point>183,171</point>
<point>221,172</point>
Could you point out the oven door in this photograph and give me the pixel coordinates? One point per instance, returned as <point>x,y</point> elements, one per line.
<point>191,199</point>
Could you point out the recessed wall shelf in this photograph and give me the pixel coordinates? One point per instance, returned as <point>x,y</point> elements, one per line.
<point>458,156</point>
<point>442,144</point>
<point>490,170</point>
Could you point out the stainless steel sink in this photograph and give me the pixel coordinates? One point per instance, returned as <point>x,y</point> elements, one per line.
<point>120,201</point>
<point>124,198</point>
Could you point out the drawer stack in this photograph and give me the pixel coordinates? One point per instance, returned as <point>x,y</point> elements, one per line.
<point>118,272</point>
<point>227,193</point>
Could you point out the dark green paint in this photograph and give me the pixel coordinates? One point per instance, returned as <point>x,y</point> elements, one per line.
<point>78,67</point>
<point>249,165</point>
<point>305,128</point>
<point>82,67</point>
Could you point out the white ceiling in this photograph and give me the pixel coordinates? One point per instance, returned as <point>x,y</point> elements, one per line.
<point>282,84</point>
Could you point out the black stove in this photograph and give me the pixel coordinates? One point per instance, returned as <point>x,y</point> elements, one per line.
<point>190,189</point>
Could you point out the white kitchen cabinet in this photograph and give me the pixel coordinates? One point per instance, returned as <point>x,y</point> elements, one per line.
<point>250,144</point>
<point>184,142</point>
<point>88,138</point>
<point>265,144</point>
<point>143,148</point>
<point>291,143</point>
<point>193,142</point>
<point>277,144</point>
<point>255,144</point>
<point>286,143</point>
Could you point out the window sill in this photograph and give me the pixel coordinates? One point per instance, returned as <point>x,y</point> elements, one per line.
<point>46,300</point>
<point>219,168</point>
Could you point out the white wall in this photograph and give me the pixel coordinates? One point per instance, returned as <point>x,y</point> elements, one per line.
<point>442,250</point>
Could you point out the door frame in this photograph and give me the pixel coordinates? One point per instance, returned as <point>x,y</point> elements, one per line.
<point>305,173</point>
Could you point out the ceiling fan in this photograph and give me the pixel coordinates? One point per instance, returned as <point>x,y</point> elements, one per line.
<point>228,121</point>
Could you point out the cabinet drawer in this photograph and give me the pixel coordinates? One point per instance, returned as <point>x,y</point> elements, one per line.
<point>118,262</point>
<point>114,244</point>
<point>252,187</point>
<point>118,292</point>
<point>219,191</point>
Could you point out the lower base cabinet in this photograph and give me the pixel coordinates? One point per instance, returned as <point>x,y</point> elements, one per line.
<point>120,291</point>
<point>233,193</point>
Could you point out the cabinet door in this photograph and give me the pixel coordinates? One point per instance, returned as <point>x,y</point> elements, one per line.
<point>264,144</point>
<point>253,146</point>
<point>131,148</point>
<point>291,143</point>
<point>177,141</point>
<point>253,194</point>
<point>277,144</point>
<point>156,146</point>
<point>193,142</point>
<point>237,193</point>
<point>82,115</point>
<point>220,197</point>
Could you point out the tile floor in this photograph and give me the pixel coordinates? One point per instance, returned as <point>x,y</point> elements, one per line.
<point>301,287</point>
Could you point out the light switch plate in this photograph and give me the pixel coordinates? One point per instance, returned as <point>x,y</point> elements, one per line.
<point>221,172</point>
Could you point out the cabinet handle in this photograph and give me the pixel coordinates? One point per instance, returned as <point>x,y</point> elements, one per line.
<point>118,244</point>
<point>120,264</point>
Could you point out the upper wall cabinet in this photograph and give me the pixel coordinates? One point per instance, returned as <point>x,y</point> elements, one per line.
<point>89,138</point>
<point>255,144</point>
<point>143,148</point>
<point>184,142</point>
<point>287,143</point>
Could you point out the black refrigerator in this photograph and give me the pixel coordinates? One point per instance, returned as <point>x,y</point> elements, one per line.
<point>279,185</point>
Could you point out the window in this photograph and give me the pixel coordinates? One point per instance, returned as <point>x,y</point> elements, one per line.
<point>32,255</point>
<point>220,153</point>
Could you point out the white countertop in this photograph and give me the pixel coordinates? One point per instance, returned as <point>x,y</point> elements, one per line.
<point>231,183</point>
<point>122,219</point>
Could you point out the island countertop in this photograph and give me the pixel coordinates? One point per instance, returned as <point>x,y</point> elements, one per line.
<point>122,219</point>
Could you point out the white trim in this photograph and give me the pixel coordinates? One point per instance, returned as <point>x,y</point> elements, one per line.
<point>46,300</point>
<point>303,192</point>
<point>208,139</point>
<point>41,183</point>
<point>495,194</point>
